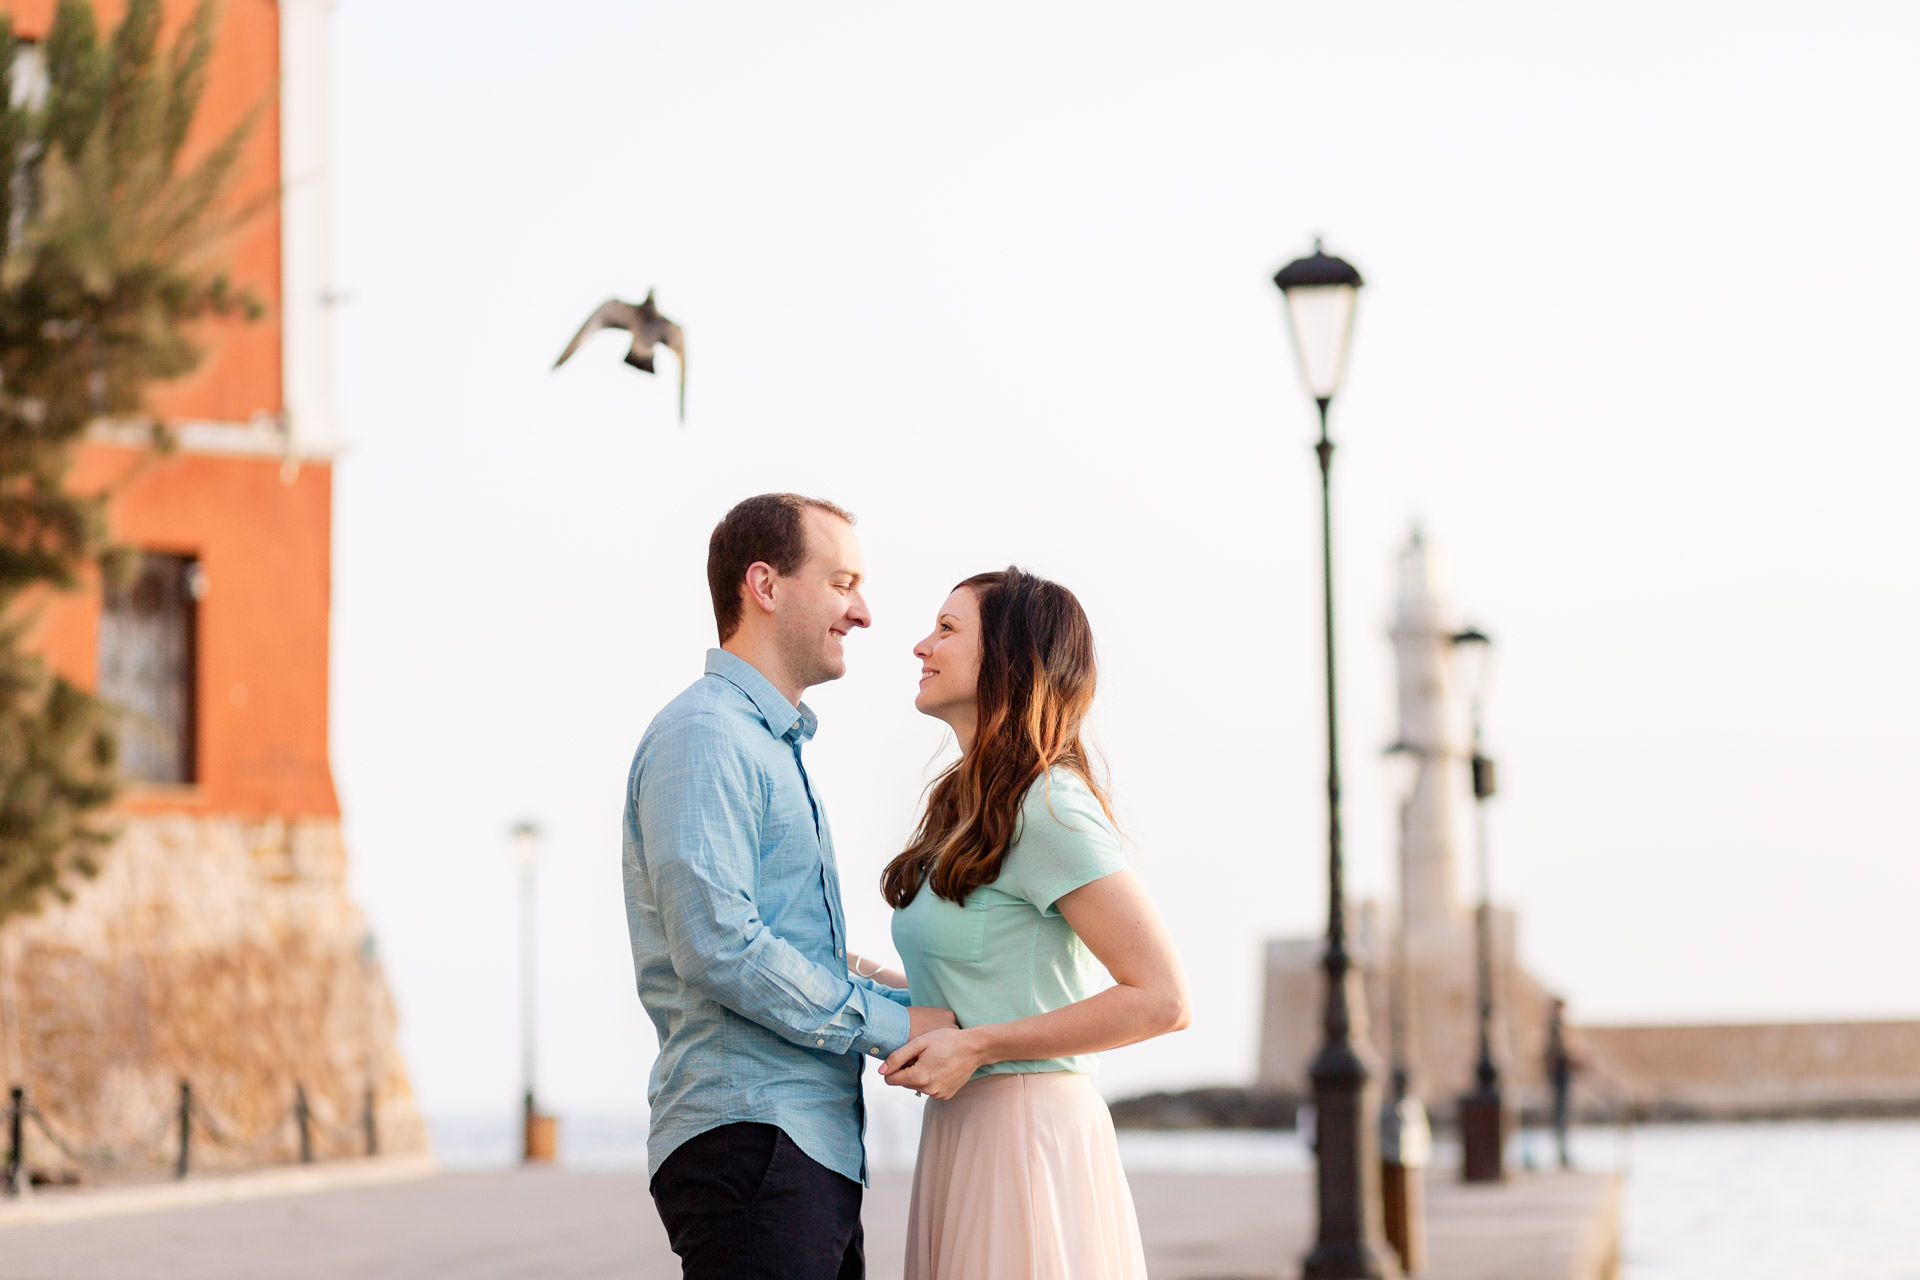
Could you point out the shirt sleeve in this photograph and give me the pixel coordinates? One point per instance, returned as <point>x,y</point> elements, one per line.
<point>1065,841</point>
<point>699,799</point>
<point>899,995</point>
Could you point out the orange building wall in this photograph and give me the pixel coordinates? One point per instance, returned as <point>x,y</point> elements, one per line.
<point>265,546</point>
<point>241,374</point>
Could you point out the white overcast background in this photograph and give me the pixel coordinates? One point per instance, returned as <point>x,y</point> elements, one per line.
<point>1637,349</point>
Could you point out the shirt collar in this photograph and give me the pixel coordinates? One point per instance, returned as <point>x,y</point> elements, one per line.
<point>782,718</point>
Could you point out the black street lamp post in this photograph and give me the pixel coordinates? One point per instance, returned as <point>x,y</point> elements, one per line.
<point>1483,1110</point>
<point>1406,1140</point>
<point>537,1129</point>
<point>1320,292</point>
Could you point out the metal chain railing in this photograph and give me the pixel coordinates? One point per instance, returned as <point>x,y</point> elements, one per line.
<point>222,1134</point>
<point>148,1151</point>
<point>181,1120</point>
<point>365,1131</point>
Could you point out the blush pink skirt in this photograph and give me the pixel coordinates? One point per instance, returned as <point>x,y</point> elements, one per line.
<point>1019,1178</point>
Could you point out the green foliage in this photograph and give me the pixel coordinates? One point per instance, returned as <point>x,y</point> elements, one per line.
<point>56,774</point>
<point>109,236</point>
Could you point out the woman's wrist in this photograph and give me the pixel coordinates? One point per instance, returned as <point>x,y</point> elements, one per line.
<point>981,1044</point>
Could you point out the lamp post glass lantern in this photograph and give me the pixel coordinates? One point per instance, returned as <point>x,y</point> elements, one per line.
<point>1483,1116</point>
<point>1320,292</point>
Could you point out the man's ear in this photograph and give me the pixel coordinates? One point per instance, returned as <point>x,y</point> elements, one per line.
<point>759,586</point>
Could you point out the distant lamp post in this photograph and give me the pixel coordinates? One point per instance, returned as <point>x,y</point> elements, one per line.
<point>1406,1139</point>
<point>1320,292</point>
<point>1483,1112</point>
<point>538,1137</point>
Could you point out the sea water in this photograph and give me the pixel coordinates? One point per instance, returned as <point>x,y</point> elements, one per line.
<point>1790,1201</point>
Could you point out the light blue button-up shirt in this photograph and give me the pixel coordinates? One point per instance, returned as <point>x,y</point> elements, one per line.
<point>739,941</point>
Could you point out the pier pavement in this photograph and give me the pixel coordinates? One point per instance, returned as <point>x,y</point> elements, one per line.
<point>576,1225</point>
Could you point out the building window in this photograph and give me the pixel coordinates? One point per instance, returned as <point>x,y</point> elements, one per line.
<point>148,666</point>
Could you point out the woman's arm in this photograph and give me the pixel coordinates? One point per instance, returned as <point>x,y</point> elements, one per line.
<point>1117,921</point>
<point>861,967</point>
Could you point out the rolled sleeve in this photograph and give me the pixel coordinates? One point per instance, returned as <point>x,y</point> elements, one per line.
<point>889,1025</point>
<point>899,995</point>
<point>699,802</point>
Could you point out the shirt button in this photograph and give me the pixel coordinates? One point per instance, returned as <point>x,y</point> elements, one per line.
<point>874,1049</point>
<point>820,1041</point>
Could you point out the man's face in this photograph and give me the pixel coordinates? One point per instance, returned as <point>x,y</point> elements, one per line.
<point>821,602</point>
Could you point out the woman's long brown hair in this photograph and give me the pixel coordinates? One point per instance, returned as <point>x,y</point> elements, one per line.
<point>1035,687</point>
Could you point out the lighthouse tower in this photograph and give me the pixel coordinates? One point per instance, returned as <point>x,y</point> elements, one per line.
<point>1439,966</point>
<point>1430,728</point>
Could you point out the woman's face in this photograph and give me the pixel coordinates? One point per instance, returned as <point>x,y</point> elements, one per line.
<point>950,663</point>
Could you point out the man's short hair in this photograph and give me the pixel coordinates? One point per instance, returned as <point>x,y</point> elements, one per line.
<point>770,527</point>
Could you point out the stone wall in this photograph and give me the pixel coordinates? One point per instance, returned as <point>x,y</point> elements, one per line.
<point>1762,1069</point>
<point>1661,1072</point>
<point>222,951</point>
<point>1441,1016</point>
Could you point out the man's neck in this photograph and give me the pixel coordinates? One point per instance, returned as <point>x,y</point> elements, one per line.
<point>765,659</point>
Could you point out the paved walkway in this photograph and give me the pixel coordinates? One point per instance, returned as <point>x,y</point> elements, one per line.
<point>582,1226</point>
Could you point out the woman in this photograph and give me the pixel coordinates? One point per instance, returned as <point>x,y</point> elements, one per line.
<point>1013,887</point>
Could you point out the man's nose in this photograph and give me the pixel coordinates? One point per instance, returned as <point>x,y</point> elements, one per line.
<point>857,612</point>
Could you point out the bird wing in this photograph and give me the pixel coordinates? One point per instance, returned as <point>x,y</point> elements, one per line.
<point>611,314</point>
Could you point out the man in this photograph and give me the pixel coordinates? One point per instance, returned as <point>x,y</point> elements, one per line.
<point>755,1145</point>
<point>1561,1062</point>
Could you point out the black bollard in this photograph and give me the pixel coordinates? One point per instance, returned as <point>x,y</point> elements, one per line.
<point>366,1120</point>
<point>304,1118</point>
<point>186,1129</point>
<point>16,1139</point>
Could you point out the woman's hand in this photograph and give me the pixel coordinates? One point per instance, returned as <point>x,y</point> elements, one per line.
<point>935,1064</point>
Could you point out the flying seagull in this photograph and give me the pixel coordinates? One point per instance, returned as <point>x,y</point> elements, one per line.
<point>649,329</point>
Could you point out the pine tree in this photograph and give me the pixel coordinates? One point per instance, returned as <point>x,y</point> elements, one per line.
<point>109,255</point>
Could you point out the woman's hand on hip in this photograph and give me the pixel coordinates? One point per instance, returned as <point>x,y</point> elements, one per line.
<point>935,1064</point>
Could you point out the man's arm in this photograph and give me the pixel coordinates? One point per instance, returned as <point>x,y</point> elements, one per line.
<point>698,800</point>
<point>876,973</point>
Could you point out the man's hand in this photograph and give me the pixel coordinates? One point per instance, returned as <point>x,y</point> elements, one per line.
<point>924,1018</point>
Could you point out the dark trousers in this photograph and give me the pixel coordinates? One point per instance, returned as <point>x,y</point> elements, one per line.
<point>1562,1098</point>
<point>742,1202</point>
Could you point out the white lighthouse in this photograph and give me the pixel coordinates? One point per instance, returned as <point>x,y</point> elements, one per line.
<point>1439,1027</point>
<point>1431,731</point>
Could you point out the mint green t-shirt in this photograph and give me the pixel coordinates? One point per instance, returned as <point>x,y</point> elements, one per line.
<point>1008,953</point>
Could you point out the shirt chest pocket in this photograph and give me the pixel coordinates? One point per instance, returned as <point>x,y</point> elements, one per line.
<point>951,932</point>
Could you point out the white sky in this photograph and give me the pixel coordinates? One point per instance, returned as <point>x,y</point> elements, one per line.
<point>1637,348</point>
